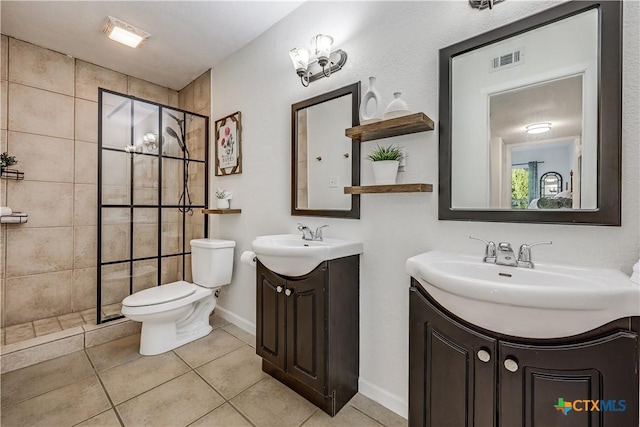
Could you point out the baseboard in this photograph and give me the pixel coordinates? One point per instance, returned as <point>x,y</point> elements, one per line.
<point>239,321</point>
<point>383,397</point>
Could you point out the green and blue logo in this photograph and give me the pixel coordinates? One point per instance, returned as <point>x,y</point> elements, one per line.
<point>590,405</point>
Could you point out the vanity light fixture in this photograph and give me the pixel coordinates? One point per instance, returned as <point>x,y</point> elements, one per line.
<point>124,33</point>
<point>324,63</point>
<point>538,128</point>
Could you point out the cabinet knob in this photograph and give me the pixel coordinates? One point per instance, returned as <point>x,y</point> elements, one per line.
<point>279,289</point>
<point>511,365</point>
<point>287,292</point>
<point>484,355</point>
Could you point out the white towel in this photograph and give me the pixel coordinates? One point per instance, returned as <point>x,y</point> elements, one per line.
<point>4,211</point>
<point>635,274</point>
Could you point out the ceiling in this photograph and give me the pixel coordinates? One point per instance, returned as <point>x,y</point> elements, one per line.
<point>187,37</point>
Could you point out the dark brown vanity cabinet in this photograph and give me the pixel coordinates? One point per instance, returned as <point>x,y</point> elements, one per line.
<point>307,330</point>
<point>462,376</point>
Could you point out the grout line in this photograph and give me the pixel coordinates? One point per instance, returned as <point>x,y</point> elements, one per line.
<point>309,417</point>
<point>104,389</point>
<point>238,410</point>
<point>367,415</point>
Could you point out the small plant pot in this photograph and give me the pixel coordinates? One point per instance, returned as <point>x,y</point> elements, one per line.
<point>385,172</point>
<point>222,203</point>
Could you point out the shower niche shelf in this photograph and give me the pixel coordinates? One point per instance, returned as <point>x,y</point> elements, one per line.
<point>221,211</point>
<point>12,174</point>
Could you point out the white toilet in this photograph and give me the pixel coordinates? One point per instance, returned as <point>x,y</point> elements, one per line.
<point>177,313</point>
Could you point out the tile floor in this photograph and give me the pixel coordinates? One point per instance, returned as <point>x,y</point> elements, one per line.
<point>214,381</point>
<point>24,331</point>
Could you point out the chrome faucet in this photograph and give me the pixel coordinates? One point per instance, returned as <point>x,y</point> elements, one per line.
<point>307,234</point>
<point>489,250</point>
<point>505,255</point>
<point>524,254</point>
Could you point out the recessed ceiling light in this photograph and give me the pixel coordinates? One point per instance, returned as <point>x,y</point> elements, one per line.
<point>539,127</point>
<point>124,33</point>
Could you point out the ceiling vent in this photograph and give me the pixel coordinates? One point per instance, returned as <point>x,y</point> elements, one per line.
<point>507,60</point>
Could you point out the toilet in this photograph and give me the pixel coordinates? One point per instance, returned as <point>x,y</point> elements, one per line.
<point>178,313</point>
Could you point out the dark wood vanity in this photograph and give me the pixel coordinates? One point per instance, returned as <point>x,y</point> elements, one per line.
<point>462,375</point>
<point>307,330</point>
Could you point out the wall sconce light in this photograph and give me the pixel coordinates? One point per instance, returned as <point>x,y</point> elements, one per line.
<point>324,63</point>
<point>538,128</point>
<point>124,33</point>
<point>483,4</point>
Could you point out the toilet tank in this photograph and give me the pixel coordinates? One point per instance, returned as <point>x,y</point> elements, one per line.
<point>211,262</point>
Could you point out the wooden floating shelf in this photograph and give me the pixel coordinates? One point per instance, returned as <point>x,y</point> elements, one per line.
<point>396,188</point>
<point>404,125</point>
<point>221,211</point>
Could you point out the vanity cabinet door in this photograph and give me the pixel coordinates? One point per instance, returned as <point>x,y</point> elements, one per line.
<point>306,328</point>
<point>451,370</point>
<point>270,312</point>
<point>532,379</point>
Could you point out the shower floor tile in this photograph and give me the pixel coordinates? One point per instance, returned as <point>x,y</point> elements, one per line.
<point>46,326</point>
<point>72,392</point>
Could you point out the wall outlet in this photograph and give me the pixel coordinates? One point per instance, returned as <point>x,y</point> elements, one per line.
<point>403,161</point>
<point>333,182</point>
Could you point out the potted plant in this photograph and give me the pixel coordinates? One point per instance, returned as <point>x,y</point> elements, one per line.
<point>6,160</point>
<point>223,198</point>
<point>385,162</point>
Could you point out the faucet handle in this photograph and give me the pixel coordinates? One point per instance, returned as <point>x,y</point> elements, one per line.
<point>318,234</point>
<point>489,251</point>
<point>301,226</point>
<point>524,254</point>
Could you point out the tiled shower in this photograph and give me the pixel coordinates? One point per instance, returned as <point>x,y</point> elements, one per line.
<point>50,123</point>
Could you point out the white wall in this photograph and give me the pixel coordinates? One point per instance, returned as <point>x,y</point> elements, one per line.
<point>398,43</point>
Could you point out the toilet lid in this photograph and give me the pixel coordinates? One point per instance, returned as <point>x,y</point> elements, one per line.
<point>160,294</point>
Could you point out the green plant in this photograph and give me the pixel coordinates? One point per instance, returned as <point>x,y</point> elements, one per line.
<point>221,193</point>
<point>7,160</point>
<point>390,152</point>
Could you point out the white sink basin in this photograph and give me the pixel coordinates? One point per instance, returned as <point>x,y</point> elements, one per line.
<point>290,255</point>
<point>549,301</point>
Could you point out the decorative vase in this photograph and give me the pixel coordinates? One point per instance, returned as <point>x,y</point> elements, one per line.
<point>396,108</point>
<point>369,105</point>
<point>223,203</point>
<point>385,172</point>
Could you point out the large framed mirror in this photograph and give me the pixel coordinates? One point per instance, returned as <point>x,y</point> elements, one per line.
<point>323,159</point>
<point>539,95</point>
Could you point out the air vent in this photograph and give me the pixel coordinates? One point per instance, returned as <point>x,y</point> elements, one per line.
<point>507,60</point>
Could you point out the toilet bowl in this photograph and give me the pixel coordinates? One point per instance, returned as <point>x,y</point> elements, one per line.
<point>177,313</point>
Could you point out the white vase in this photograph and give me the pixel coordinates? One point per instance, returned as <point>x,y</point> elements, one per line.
<point>396,108</point>
<point>369,106</point>
<point>222,203</point>
<point>385,172</point>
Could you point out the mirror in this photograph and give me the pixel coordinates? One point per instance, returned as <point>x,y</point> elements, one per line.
<point>530,119</point>
<point>323,159</point>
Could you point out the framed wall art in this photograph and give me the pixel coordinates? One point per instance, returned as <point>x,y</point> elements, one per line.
<point>228,145</point>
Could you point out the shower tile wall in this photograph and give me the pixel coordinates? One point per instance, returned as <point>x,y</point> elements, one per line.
<point>49,122</point>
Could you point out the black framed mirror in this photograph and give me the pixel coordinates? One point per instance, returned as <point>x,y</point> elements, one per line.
<point>543,93</point>
<point>323,159</point>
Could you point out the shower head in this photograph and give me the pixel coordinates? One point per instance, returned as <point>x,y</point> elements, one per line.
<point>172,133</point>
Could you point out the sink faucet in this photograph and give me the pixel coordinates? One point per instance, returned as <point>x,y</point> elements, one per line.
<point>307,234</point>
<point>489,251</point>
<point>524,254</point>
<point>505,255</point>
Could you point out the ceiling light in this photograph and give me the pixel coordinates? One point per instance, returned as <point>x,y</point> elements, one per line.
<point>325,61</point>
<point>538,127</point>
<point>124,33</point>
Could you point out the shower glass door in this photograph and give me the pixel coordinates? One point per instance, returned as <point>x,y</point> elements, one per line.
<point>152,185</point>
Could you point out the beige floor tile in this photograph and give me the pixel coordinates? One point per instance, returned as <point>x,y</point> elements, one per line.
<point>105,419</point>
<point>241,334</point>
<point>17,333</point>
<point>70,320</point>
<point>216,344</point>
<point>137,376</point>
<point>112,310</point>
<point>64,406</point>
<point>224,416</point>
<point>270,403</point>
<point>347,417</point>
<point>35,380</point>
<point>46,326</point>
<point>377,411</point>
<point>89,316</point>
<point>114,353</point>
<point>217,321</point>
<point>176,403</point>
<point>233,372</point>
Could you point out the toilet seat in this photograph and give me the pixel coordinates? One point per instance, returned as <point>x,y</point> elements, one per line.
<point>160,294</point>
